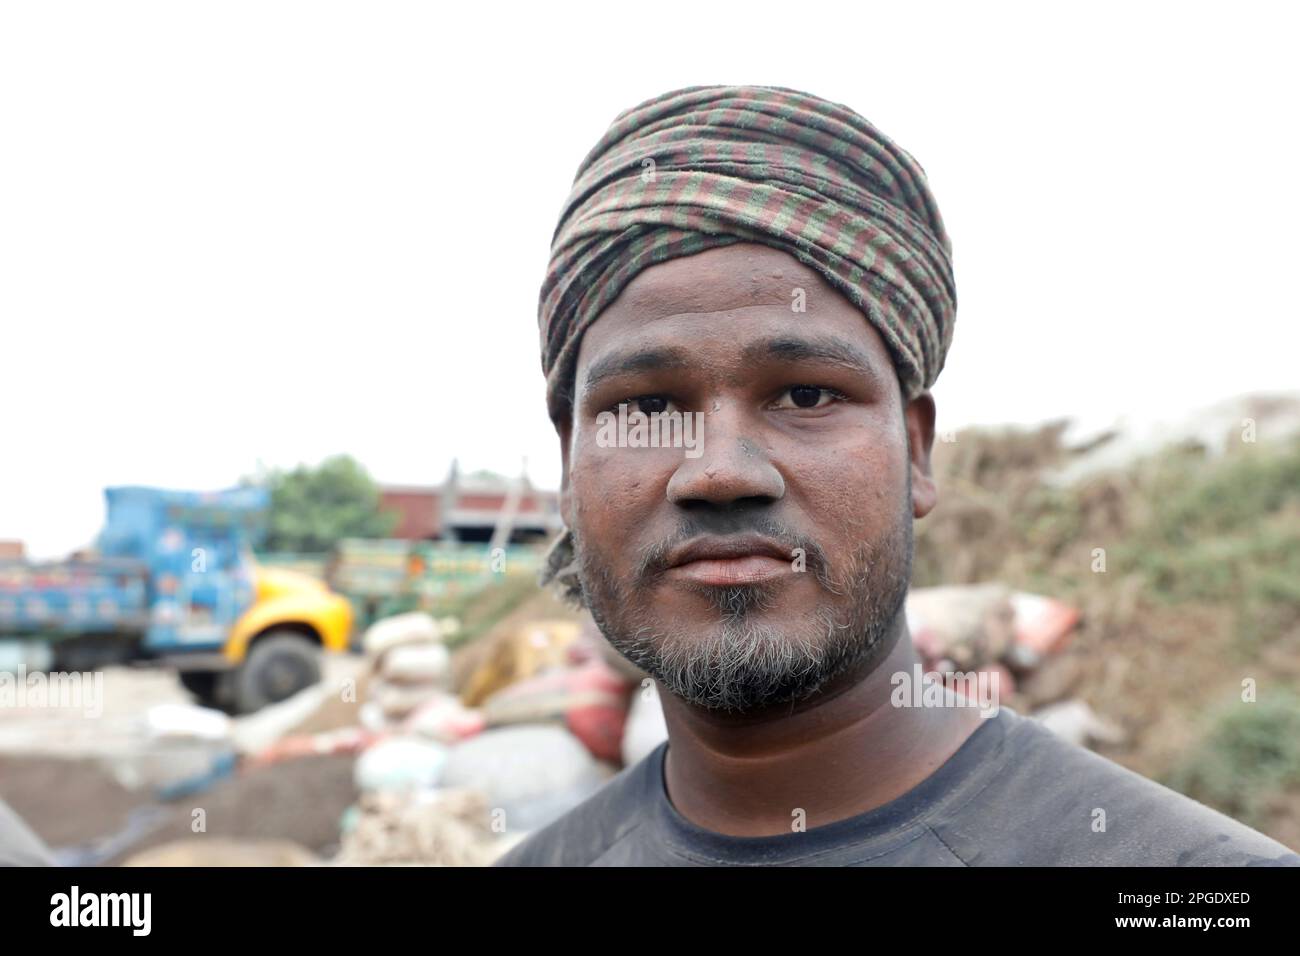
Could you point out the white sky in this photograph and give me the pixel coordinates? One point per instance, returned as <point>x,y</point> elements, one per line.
<point>275,231</point>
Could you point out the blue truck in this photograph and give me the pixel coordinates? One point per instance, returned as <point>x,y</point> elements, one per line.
<point>173,581</point>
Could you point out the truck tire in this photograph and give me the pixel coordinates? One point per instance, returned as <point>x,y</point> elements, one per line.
<point>204,687</point>
<point>280,665</point>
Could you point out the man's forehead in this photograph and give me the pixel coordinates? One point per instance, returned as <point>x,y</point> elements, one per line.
<point>737,304</point>
<point>717,280</point>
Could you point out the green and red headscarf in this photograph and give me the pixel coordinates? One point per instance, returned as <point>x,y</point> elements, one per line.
<point>714,165</point>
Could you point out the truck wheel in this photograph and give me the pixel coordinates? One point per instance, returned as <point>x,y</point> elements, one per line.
<point>280,665</point>
<point>203,685</point>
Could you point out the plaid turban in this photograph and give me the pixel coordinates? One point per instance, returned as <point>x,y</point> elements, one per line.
<point>711,166</point>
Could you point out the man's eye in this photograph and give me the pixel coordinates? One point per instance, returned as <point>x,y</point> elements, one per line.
<point>808,396</point>
<point>647,404</point>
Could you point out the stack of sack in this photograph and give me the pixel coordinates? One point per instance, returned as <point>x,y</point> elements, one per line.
<point>988,627</point>
<point>410,707</point>
<point>554,672</point>
<point>409,690</point>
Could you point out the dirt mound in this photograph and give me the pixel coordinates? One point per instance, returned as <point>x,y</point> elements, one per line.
<point>76,804</point>
<point>1185,566</point>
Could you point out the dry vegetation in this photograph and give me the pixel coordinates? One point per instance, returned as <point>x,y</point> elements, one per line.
<point>1201,591</point>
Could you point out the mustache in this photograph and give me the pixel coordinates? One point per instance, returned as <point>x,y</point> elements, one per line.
<point>654,558</point>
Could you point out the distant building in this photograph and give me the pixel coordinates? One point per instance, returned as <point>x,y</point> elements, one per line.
<point>468,508</point>
<point>418,510</point>
<point>11,550</point>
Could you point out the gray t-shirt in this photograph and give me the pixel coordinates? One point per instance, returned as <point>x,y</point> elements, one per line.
<point>1014,794</point>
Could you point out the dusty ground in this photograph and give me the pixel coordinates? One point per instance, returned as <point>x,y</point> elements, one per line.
<point>72,804</point>
<point>57,767</point>
<point>61,769</point>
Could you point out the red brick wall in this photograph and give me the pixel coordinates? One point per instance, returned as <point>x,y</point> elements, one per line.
<point>418,513</point>
<point>492,501</point>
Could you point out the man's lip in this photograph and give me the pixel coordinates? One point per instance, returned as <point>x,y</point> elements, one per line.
<point>727,549</point>
<point>725,572</point>
<point>729,561</point>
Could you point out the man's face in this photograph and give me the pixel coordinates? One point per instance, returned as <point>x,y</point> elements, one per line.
<point>749,571</point>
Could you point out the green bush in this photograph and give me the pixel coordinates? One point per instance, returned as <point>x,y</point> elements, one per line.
<point>1250,755</point>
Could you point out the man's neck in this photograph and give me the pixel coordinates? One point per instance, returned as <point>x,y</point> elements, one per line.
<point>844,753</point>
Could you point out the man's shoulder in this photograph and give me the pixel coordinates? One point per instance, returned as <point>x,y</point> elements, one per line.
<point>1057,803</point>
<point>585,833</point>
<point>1048,803</point>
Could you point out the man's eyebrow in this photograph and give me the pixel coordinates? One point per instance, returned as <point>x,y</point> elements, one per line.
<point>631,362</point>
<point>821,349</point>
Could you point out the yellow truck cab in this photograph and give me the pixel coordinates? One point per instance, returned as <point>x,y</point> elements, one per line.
<point>273,649</point>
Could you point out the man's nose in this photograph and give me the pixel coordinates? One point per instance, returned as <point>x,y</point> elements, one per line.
<point>733,467</point>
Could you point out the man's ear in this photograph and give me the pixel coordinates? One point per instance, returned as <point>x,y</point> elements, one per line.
<point>919,418</point>
<point>565,429</point>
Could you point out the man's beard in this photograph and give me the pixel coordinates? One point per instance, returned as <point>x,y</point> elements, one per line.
<point>741,664</point>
